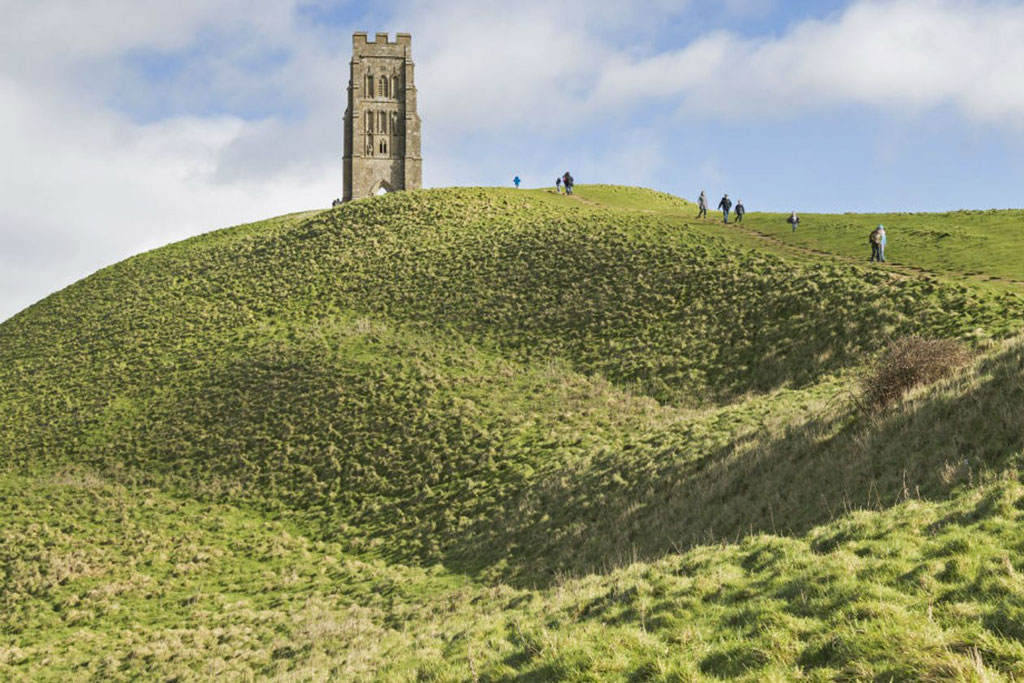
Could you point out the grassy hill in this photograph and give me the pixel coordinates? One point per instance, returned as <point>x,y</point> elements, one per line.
<point>481,434</point>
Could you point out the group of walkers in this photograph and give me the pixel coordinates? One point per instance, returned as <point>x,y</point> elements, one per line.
<point>876,239</point>
<point>565,180</point>
<point>725,205</point>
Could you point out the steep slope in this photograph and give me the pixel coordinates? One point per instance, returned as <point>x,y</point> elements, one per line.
<point>516,387</point>
<point>464,371</point>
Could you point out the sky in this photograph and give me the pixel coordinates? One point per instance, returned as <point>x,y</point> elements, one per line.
<point>129,124</point>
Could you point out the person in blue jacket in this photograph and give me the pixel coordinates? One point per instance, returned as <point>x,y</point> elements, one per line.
<point>881,246</point>
<point>516,181</point>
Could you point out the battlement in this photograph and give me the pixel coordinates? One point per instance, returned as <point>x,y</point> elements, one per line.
<point>362,38</point>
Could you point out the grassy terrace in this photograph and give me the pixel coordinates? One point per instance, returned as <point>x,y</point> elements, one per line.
<point>481,434</point>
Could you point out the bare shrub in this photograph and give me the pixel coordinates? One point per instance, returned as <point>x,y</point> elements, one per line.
<point>909,362</point>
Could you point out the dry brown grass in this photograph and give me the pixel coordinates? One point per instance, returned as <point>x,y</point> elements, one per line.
<point>909,362</point>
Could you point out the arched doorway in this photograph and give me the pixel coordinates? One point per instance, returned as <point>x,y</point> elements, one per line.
<point>383,187</point>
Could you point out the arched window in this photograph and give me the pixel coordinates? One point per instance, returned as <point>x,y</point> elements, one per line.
<point>383,146</point>
<point>369,85</point>
<point>394,87</point>
<point>382,87</point>
<point>382,122</point>
<point>369,122</point>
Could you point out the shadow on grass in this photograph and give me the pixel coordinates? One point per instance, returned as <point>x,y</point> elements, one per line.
<point>381,456</point>
<point>644,502</point>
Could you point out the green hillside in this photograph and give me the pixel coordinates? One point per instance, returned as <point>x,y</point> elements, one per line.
<point>482,434</point>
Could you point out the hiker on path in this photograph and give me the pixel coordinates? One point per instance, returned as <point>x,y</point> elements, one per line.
<point>740,210</point>
<point>725,205</point>
<point>567,180</point>
<point>702,205</point>
<point>875,240</point>
<point>793,220</point>
<point>516,180</point>
<point>558,185</point>
<point>881,247</point>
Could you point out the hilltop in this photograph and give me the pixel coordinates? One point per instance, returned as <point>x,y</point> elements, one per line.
<point>478,434</point>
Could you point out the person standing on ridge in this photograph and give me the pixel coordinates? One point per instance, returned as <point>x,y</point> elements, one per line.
<point>793,220</point>
<point>876,239</point>
<point>740,210</point>
<point>725,205</point>
<point>702,205</point>
<point>567,180</point>
<point>558,185</point>
<point>516,180</point>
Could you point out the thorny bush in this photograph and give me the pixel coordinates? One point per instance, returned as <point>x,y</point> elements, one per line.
<point>907,363</point>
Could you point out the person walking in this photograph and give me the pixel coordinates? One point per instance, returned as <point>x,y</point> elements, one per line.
<point>516,180</point>
<point>740,210</point>
<point>793,220</point>
<point>725,205</point>
<point>568,181</point>
<point>875,240</point>
<point>702,205</point>
<point>558,185</point>
<point>881,245</point>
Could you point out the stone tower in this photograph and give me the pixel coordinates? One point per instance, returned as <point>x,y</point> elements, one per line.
<point>382,128</point>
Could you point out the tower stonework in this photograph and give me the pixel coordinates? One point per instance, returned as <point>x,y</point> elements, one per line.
<point>382,128</point>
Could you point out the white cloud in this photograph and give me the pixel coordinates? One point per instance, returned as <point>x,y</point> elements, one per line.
<point>88,191</point>
<point>898,56</point>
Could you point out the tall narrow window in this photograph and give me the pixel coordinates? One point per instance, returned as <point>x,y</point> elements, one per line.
<point>394,123</point>
<point>383,146</point>
<point>382,122</point>
<point>382,87</point>
<point>369,85</point>
<point>394,87</point>
<point>369,122</point>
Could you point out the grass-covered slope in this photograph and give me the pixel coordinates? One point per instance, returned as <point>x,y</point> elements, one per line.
<point>983,245</point>
<point>510,387</point>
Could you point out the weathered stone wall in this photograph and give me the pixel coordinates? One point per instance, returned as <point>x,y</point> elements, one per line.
<point>382,128</point>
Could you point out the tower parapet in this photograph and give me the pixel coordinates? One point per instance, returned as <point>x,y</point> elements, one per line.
<point>382,127</point>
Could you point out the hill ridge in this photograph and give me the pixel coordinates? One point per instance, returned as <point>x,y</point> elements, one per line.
<point>499,396</point>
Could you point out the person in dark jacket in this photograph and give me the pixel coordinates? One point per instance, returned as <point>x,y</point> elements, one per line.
<point>558,184</point>
<point>702,205</point>
<point>725,205</point>
<point>740,210</point>
<point>568,181</point>
<point>793,220</point>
